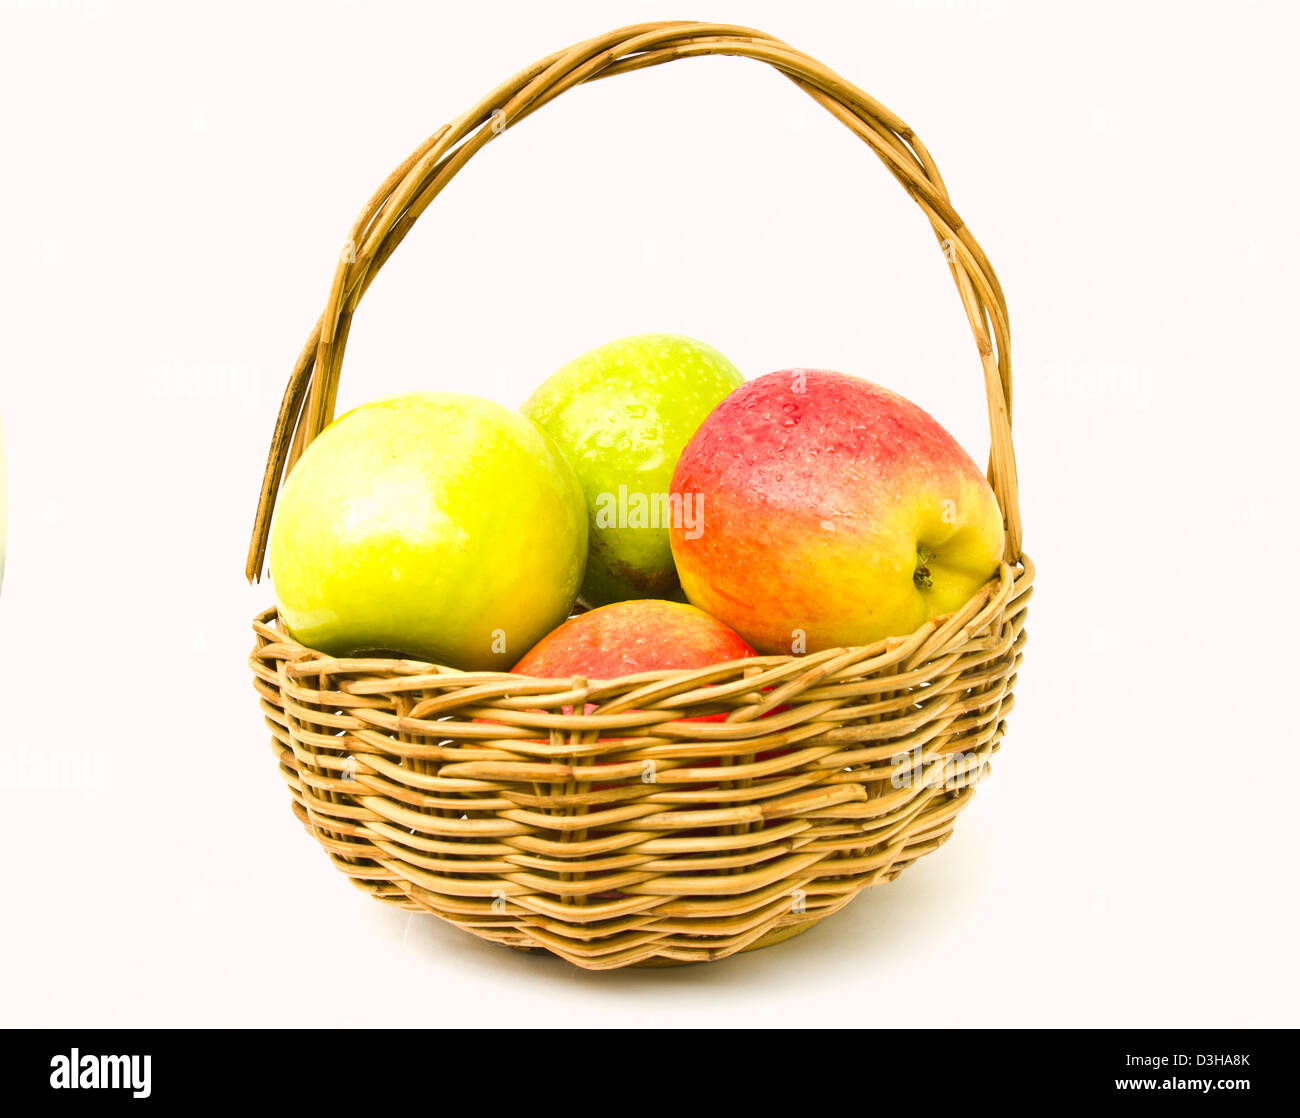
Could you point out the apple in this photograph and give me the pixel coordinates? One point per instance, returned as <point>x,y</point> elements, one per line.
<point>434,525</point>
<point>834,513</point>
<point>626,638</point>
<point>621,414</point>
<point>645,635</point>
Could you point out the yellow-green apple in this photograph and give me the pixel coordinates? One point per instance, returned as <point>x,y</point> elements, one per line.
<point>834,513</point>
<point>435,525</point>
<point>621,414</point>
<point>626,638</point>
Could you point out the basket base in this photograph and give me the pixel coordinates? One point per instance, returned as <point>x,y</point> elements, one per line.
<point>776,935</point>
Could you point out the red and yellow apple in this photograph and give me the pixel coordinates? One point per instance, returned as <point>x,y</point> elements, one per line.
<point>643,635</point>
<point>626,638</point>
<point>832,512</point>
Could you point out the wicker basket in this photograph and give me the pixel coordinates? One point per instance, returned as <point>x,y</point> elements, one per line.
<point>628,835</point>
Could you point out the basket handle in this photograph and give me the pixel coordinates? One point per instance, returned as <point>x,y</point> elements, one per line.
<point>308,403</point>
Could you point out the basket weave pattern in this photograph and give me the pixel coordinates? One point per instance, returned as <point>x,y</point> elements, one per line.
<point>629,835</point>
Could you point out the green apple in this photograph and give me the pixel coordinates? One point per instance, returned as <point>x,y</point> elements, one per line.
<point>434,525</point>
<point>622,414</point>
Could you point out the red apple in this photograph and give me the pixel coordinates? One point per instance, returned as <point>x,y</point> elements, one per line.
<point>625,638</point>
<point>643,635</point>
<point>637,636</point>
<point>830,512</point>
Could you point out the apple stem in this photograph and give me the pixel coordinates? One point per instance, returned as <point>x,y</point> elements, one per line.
<point>921,576</point>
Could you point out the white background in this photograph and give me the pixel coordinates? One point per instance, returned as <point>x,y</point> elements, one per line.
<point>176,185</point>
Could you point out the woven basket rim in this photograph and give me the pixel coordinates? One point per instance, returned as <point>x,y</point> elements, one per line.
<point>985,602</point>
